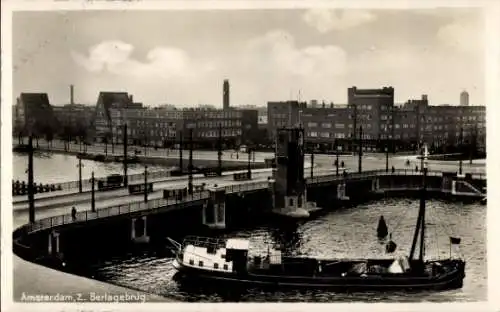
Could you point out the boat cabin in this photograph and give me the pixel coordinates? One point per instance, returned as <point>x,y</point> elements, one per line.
<point>216,255</point>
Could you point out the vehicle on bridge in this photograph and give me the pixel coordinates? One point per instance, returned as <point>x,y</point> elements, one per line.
<point>139,188</point>
<point>114,181</point>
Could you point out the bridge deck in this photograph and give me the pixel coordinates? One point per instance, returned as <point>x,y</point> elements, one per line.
<point>113,207</point>
<point>74,194</point>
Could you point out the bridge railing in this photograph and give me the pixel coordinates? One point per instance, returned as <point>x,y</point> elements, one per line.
<point>84,216</point>
<point>383,172</point>
<point>87,183</point>
<point>246,187</point>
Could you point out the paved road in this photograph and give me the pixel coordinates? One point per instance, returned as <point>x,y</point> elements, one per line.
<point>227,155</point>
<point>377,161</point>
<point>159,184</point>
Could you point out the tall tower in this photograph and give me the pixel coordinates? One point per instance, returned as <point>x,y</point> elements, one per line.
<point>71,94</point>
<point>290,187</point>
<point>464,98</point>
<point>225,94</point>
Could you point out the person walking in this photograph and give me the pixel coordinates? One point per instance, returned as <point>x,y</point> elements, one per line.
<point>73,213</point>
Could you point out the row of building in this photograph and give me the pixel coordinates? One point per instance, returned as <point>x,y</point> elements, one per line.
<point>370,113</point>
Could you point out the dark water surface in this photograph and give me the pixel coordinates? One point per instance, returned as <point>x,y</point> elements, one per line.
<point>343,233</point>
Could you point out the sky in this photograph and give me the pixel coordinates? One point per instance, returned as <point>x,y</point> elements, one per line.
<point>182,57</point>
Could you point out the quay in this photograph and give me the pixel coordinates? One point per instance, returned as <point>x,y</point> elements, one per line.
<point>125,221</point>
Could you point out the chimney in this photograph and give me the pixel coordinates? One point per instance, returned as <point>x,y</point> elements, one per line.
<point>131,98</point>
<point>71,95</point>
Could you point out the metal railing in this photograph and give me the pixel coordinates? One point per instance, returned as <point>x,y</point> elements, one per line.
<point>84,216</point>
<point>236,188</point>
<point>87,183</point>
<point>371,173</point>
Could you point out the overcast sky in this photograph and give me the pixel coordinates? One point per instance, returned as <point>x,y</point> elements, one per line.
<point>182,57</point>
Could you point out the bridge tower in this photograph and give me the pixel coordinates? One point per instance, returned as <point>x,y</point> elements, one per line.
<point>289,196</point>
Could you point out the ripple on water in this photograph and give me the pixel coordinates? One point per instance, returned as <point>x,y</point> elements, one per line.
<point>344,233</point>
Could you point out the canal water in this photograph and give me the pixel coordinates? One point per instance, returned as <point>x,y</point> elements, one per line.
<point>57,168</point>
<point>349,233</point>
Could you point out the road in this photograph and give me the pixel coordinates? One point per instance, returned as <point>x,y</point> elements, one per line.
<point>228,155</point>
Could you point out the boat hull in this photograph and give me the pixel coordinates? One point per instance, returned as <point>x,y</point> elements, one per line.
<point>193,276</point>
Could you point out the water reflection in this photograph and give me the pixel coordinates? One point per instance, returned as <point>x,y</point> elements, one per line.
<point>347,233</point>
<point>57,168</point>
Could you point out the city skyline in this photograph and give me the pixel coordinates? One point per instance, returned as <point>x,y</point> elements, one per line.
<point>267,55</point>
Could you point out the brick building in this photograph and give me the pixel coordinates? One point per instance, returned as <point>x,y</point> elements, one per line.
<point>145,126</point>
<point>384,124</point>
<point>205,125</point>
<point>107,101</point>
<point>282,114</point>
<point>34,115</point>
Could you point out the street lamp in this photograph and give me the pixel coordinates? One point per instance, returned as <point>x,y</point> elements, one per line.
<point>145,183</point>
<point>92,200</point>
<point>80,165</point>
<point>337,150</point>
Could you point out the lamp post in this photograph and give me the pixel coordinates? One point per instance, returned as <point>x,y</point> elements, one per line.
<point>181,165</point>
<point>360,152</point>
<point>146,184</point>
<point>312,163</point>
<point>31,191</point>
<point>386,156</point>
<point>125,154</point>
<point>461,151</point>
<point>80,165</point>
<point>337,159</point>
<point>249,168</point>
<point>219,152</point>
<point>190,164</point>
<point>92,200</point>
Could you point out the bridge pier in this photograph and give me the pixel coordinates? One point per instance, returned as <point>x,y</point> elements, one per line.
<point>138,230</point>
<point>214,209</point>
<point>53,243</point>
<point>341,191</point>
<point>375,185</point>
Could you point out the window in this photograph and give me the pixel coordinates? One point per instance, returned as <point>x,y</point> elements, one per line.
<point>225,267</point>
<point>396,126</point>
<point>216,265</point>
<point>291,202</point>
<point>200,263</point>
<point>191,261</point>
<point>314,134</point>
<point>325,134</point>
<point>312,124</point>
<point>339,126</point>
<point>326,125</point>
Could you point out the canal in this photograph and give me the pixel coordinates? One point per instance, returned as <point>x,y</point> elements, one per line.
<point>57,168</point>
<point>346,233</point>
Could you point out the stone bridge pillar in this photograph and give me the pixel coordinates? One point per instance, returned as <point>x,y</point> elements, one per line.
<point>139,233</point>
<point>53,245</point>
<point>375,185</point>
<point>214,210</point>
<point>341,191</point>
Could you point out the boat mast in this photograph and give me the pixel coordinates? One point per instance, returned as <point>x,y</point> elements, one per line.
<point>420,227</point>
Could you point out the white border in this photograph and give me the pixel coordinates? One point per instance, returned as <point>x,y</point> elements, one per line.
<point>492,57</point>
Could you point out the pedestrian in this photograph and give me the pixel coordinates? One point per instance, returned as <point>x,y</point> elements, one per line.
<point>73,213</point>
